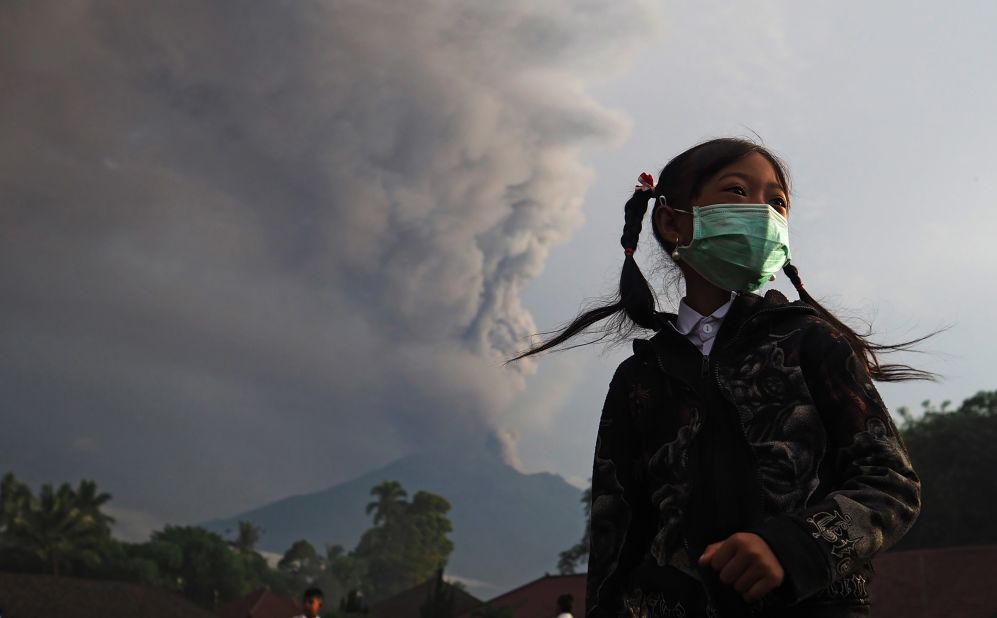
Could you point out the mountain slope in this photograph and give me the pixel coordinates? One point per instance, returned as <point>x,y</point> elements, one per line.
<point>509,527</point>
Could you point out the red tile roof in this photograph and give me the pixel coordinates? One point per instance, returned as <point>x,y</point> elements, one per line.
<point>260,604</point>
<point>406,604</point>
<point>28,595</point>
<point>538,599</point>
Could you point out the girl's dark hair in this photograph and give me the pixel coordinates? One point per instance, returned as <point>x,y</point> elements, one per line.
<point>635,306</point>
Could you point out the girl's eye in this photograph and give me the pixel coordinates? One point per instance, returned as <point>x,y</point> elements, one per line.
<point>778,202</point>
<point>737,189</point>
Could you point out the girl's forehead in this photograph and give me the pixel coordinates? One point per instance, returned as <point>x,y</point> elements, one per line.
<point>752,166</point>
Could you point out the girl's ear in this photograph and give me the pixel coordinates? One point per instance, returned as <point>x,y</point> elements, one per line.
<point>666,221</point>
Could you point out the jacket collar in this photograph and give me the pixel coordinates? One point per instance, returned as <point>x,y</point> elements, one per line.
<point>676,355</point>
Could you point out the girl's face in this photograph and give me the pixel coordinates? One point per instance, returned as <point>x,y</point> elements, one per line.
<point>749,180</point>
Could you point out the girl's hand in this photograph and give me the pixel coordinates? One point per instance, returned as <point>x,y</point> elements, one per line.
<point>746,562</point>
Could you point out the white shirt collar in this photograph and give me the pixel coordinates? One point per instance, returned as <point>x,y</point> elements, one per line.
<point>688,317</point>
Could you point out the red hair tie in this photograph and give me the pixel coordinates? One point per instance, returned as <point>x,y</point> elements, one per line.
<point>628,251</point>
<point>645,182</point>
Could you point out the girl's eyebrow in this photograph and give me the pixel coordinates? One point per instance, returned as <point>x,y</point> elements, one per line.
<point>771,185</point>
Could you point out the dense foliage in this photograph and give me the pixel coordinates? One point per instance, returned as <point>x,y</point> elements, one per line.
<point>56,528</point>
<point>953,453</point>
<point>63,531</point>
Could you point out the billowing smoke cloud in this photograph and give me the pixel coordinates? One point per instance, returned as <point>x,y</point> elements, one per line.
<point>249,249</point>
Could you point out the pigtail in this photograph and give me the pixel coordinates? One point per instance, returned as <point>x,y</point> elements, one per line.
<point>860,344</point>
<point>636,296</point>
<point>634,306</point>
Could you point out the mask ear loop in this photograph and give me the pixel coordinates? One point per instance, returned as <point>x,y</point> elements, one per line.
<point>662,201</point>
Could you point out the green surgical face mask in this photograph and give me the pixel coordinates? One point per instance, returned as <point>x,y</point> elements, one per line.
<point>737,247</point>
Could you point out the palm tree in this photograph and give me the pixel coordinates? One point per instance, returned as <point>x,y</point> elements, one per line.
<point>89,502</point>
<point>390,498</point>
<point>51,528</point>
<point>249,536</point>
<point>58,525</point>
<point>14,496</point>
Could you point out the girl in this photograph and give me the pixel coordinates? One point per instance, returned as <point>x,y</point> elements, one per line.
<point>745,465</point>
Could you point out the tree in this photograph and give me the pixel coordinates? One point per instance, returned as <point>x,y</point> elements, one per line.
<point>65,529</point>
<point>407,544</point>
<point>14,497</point>
<point>426,519</point>
<point>88,502</point>
<point>148,563</point>
<point>302,560</point>
<point>390,498</point>
<point>208,572</point>
<point>348,570</point>
<point>58,526</point>
<point>247,538</point>
<point>569,558</point>
<point>953,454</point>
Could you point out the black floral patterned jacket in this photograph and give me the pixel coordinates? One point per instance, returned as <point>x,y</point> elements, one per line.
<point>778,432</point>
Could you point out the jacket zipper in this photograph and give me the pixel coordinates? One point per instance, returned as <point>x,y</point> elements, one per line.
<point>754,608</point>
<point>704,372</point>
<point>725,395</point>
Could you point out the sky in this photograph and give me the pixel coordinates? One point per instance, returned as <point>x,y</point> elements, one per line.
<point>250,253</point>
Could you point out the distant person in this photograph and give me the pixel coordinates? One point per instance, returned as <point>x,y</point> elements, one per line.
<point>564,604</point>
<point>744,463</point>
<point>311,603</point>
